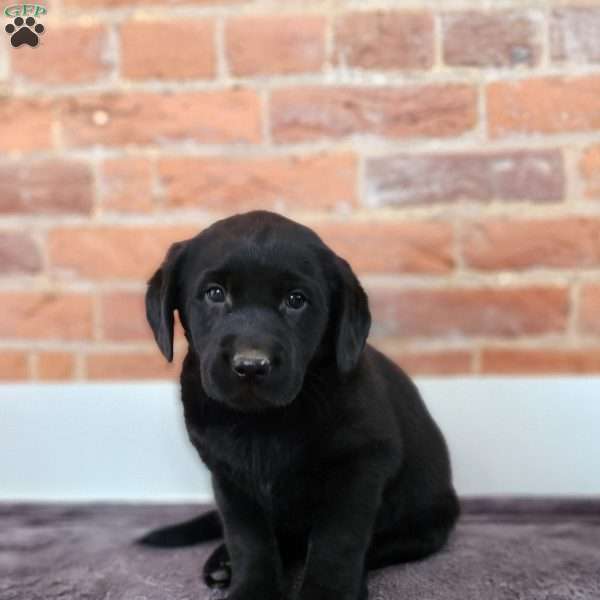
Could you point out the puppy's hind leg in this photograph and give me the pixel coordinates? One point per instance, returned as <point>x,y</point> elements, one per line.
<point>397,546</point>
<point>204,528</point>
<point>217,568</point>
<point>420,534</point>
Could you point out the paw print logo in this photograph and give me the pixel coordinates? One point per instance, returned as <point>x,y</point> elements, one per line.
<point>24,32</point>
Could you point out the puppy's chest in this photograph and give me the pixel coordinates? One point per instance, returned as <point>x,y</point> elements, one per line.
<point>264,464</point>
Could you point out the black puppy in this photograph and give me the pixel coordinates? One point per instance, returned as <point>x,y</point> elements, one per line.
<point>320,448</point>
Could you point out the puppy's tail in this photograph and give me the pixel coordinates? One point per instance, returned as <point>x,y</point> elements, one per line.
<point>199,529</point>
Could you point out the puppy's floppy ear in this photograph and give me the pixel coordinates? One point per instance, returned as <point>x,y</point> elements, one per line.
<point>161,299</point>
<point>353,319</point>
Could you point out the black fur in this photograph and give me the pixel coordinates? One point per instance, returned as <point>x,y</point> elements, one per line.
<point>329,455</point>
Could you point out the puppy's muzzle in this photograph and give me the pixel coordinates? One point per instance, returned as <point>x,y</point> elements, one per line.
<point>251,365</point>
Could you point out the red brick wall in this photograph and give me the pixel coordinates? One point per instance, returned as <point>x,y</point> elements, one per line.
<point>451,153</point>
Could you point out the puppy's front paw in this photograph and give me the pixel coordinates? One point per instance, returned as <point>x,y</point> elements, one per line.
<point>256,591</point>
<point>314,591</point>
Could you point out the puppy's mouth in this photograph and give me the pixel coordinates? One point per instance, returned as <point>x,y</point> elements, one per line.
<point>250,401</point>
<point>247,396</point>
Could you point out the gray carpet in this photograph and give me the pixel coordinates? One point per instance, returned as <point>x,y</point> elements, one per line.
<point>502,550</point>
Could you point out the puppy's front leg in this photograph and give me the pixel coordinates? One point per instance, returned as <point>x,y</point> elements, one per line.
<point>255,559</point>
<point>341,533</point>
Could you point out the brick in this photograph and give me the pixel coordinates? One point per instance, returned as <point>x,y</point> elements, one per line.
<point>575,34</point>
<point>126,185</point>
<point>13,366</point>
<point>282,183</point>
<point>406,179</point>
<point>589,168</point>
<point>589,310</point>
<point>147,118</point>
<point>40,315</point>
<point>77,54</point>
<point>18,254</point>
<point>124,317</point>
<point>303,114</point>
<point>380,247</point>
<point>26,124</point>
<point>540,361</point>
<point>498,39</point>
<point>55,366</point>
<point>105,253</point>
<point>508,244</point>
<point>546,105</point>
<point>268,45</point>
<point>458,312</point>
<point>87,4</point>
<point>148,51</point>
<point>45,187</point>
<point>133,365</point>
<point>444,362</point>
<point>384,40</point>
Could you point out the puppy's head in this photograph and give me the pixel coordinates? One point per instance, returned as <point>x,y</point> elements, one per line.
<point>260,298</point>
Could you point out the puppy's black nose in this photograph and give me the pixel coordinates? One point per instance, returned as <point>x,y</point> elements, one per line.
<point>251,364</point>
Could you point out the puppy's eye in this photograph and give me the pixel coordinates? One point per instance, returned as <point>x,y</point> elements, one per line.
<point>295,300</point>
<point>215,293</point>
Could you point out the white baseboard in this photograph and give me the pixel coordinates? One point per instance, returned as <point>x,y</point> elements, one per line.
<point>126,441</point>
